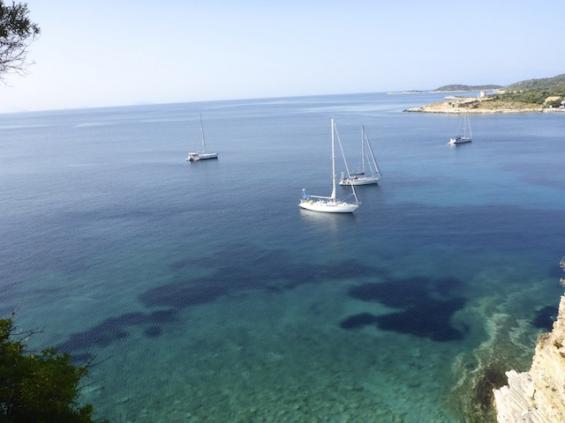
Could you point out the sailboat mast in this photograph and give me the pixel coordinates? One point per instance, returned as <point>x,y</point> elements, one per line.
<point>465,125</point>
<point>363,149</point>
<point>469,127</point>
<point>377,171</point>
<point>333,196</point>
<point>203,137</point>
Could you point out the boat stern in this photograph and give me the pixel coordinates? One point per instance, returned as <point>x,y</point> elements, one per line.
<point>192,157</point>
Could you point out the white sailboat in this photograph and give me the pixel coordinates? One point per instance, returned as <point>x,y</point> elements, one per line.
<point>201,155</point>
<point>367,155</point>
<point>330,204</point>
<point>466,136</point>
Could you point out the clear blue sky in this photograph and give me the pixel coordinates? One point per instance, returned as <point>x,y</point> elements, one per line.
<point>98,53</point>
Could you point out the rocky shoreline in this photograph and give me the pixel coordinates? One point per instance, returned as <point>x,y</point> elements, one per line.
<point>476,105</point>
<point>539,394</point>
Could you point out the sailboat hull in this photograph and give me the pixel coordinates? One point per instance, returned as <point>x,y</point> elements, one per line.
<point>359,180</point>
<point>328,206</point>
<point>459,140</point>
<point>195,157</point>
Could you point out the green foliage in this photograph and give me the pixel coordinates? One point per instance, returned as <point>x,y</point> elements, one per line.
<point>540,84</point>
<point>532,96</point>
<point>535,91</point>
<point>531,91</point>
<point>38,388</point>
<point>16,32</point>
<point>464,87</point>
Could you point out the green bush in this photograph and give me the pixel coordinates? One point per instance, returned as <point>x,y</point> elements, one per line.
<point>531,96</point>
<point>38,388</point>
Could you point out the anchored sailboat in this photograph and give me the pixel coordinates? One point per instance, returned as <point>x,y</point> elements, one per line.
<point>330,204</point>
<point>367,155</point>
<point>201,155</point>
<point>466,136</point>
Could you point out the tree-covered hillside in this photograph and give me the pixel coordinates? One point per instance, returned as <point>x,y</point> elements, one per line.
<point>540,83</point>
<point>541,91</point>
<point>548,91</point>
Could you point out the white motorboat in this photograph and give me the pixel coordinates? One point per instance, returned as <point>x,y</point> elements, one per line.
<point>466,136</point>
<point>362,177</point>
<point>330,204</point>
<point>201,155</point>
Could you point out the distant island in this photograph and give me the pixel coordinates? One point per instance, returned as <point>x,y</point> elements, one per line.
<point>463,87</point>
<point>532,95</point>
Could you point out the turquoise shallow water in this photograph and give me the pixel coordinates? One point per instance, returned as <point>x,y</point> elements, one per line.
<point>205,294</point>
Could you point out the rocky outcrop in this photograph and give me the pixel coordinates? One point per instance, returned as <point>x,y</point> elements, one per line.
<point>537,396</point>
<point>477,105</point>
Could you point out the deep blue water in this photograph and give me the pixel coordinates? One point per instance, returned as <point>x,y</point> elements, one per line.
<point>204,292</point>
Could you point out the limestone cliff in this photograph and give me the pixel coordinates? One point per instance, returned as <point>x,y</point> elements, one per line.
<point>537,396</point>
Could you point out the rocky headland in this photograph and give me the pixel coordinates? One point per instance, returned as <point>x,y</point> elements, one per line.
<point>537,396</point>
<point>536,95</point>
<point>477,105</point>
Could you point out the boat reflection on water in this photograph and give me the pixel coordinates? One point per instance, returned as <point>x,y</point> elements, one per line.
<point>328,222</point>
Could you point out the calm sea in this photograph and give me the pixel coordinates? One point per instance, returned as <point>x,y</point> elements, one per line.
<point>203,293</point>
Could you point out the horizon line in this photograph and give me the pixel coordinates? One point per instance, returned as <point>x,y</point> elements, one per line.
<point>140,104</point>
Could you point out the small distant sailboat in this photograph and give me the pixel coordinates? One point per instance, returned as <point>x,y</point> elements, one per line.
<point>466,136</point>
<point>367,155</point>
<point>330,204</point>
<point>201,155</point>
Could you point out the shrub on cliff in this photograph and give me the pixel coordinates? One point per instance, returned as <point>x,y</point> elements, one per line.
<point>40,387</point>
